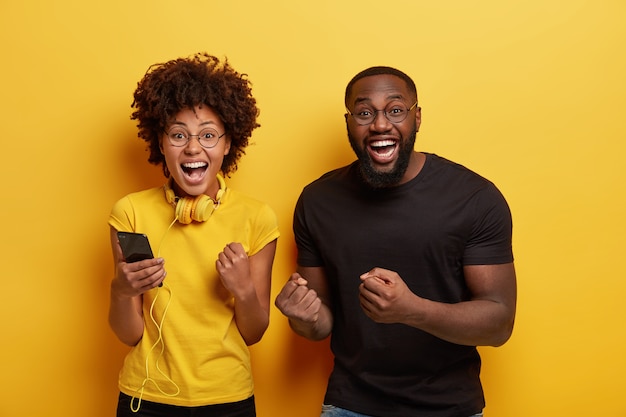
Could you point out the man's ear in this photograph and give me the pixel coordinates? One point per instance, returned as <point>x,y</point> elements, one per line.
<point>418,118</point>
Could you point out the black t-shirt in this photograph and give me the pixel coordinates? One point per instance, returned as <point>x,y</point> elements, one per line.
<point>426,230</point>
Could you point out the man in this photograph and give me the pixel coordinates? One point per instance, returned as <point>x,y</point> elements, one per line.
<point>406,259</point>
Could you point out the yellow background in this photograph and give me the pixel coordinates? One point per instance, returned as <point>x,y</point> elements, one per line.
<point>531,94</point>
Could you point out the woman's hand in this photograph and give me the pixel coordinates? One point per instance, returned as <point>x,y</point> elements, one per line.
<point>233,266</point>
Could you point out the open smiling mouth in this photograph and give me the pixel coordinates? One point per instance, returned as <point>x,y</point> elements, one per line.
<point>194,170</point>
<point>382,149</point>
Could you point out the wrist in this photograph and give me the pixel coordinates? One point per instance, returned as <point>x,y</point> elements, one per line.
<point>117,292</point>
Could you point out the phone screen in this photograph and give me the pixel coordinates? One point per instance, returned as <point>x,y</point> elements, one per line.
<point>135,246</point>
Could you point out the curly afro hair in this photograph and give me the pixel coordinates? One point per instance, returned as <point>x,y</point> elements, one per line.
<point>170,87</point>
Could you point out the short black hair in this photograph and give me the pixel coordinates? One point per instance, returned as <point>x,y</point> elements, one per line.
<point>380,70</point>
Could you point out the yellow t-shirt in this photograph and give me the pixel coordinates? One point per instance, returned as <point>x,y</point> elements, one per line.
<point>204,354</point>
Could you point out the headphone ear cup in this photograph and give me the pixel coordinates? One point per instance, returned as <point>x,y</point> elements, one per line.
<point>183,210</point>
<point>202,208</point>
<point>199,208</point>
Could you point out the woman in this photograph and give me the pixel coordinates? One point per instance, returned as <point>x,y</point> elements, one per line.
<point>190,313</point>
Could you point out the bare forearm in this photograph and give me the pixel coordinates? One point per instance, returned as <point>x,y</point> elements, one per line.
<point>125,319</point>
<point>484,320</point>
<point>252,319</point>
<point>472,323</point>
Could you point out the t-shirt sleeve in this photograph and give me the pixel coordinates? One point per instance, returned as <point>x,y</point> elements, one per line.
<point>122,216</point>
<point>266,228</point>
<point>491,239</point>
<point>308,254</point>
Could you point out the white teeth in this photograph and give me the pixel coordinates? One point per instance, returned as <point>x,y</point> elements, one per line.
<point>194,164</point>
<point>381,143</point>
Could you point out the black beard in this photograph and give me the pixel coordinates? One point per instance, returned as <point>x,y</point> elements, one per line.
<point>376,179</point>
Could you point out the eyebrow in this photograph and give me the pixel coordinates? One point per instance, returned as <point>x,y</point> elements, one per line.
<point>389,97</point>
<point>202,124</point>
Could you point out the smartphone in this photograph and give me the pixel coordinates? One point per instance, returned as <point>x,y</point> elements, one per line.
<point>135,246</point>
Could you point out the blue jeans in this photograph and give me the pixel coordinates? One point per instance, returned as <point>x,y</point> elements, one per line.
<point>332,411</point>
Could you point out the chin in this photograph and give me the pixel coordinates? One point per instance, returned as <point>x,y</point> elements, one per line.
<point>391,176</point>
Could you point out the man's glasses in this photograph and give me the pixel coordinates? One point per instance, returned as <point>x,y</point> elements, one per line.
<point>207,137</point>
<point>395,113</point>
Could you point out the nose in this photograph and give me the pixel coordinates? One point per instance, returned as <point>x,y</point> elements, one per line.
<point>193,145</point>
<point>380,122</point>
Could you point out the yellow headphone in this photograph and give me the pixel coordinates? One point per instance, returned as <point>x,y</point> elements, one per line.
<point>197,208</point>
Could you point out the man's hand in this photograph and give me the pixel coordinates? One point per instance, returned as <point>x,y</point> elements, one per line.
<point>384,296</point>
<point>297,301</point>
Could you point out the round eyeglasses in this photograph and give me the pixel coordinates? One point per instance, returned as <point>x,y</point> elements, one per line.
<point>208,137</point>
<point>394,112</point>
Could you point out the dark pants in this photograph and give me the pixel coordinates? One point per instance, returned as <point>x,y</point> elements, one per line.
<point>245,408</point>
